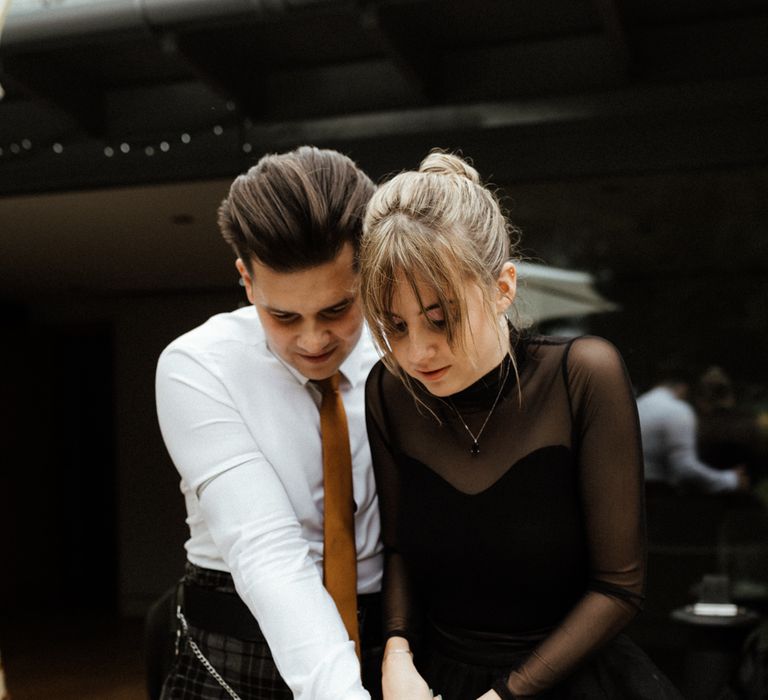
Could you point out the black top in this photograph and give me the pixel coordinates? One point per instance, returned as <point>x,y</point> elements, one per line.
<point>541,533</point>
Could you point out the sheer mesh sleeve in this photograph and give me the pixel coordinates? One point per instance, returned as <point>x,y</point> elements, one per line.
<point>606,441</point>
<point>401,613</point>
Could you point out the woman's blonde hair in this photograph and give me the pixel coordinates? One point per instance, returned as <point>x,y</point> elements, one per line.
<point>438,226</point>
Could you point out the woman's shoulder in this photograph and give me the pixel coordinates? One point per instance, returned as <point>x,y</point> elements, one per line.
<point>382,383</point>
<point>585,357</point>
<point>582,348</point>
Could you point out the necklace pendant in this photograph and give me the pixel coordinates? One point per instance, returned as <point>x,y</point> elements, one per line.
<point>475,449</point>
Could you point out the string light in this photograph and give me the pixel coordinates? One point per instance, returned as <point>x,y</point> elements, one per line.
<point>151,149</point>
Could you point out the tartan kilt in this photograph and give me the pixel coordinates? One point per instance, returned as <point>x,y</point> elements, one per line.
<point>246,666</point>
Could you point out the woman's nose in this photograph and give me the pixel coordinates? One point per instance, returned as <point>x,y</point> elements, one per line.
<point>421,348</point>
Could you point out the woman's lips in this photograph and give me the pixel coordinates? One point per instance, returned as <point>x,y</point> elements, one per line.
<point>433,375</point>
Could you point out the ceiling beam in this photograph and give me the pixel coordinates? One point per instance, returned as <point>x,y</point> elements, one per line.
<point>81,102</point>
<point>613,21</point>
<point>408,47</point>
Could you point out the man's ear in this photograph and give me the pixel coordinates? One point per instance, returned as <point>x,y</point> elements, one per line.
<point>242,268</point>
<point>507,287</point>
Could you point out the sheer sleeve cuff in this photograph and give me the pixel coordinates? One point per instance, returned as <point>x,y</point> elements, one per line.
<point>413,638</point>
<point>502,689</point>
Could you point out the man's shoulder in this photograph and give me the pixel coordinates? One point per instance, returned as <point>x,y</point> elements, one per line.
<point>225,330</point>
<point>660,400</point>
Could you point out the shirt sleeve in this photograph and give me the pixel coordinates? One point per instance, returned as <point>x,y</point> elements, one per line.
<point>607,442</point>
<point>683,460</point>
<point>254,526</point>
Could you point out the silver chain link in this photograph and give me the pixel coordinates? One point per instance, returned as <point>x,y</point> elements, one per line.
<point>201,657</point>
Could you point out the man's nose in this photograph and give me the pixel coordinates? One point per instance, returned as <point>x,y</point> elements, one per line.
<point>313,340</point>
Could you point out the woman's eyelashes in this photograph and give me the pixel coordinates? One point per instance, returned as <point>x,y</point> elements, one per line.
<point>434,318</point>
<point>396,327</point>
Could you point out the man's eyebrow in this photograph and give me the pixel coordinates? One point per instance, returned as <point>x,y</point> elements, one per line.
<point>341,302</point>
<point>335,305</point>
<point>275,310</point>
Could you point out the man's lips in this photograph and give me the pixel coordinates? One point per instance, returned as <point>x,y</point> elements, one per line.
<point>320,357</point>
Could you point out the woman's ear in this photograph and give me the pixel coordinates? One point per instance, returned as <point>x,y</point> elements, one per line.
<point>246,277</point>
<point>507,287</point>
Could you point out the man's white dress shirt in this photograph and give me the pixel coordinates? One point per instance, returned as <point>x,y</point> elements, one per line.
<point>243,429</point>
<point>668,428</point>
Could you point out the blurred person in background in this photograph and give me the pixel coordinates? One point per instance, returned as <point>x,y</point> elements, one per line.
<point>729,426</point>
<point>669,429</point>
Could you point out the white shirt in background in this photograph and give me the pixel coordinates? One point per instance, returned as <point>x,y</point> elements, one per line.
<point>668,429</point>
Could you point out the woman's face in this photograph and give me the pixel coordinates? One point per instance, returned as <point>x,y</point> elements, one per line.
<point>421,348</point>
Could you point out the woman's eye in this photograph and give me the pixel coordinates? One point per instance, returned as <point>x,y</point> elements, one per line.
<point>397,327</point>
<point>436,318</point>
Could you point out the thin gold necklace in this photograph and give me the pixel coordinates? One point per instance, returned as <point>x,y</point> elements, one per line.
<point>475,447</point>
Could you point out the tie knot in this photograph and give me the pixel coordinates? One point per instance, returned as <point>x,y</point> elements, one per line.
<point>329,385</point>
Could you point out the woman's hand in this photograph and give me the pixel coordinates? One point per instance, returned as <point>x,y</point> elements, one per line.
<point>399,678</point>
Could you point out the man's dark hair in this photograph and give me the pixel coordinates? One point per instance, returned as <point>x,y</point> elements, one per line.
<point>296,210</point>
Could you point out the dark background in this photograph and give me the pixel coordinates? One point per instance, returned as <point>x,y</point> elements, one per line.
<point>628,138</point>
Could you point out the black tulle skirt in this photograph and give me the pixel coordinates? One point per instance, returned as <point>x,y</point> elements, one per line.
<point>619,670</point>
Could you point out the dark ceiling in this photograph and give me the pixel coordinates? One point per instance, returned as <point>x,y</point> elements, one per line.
<point>118,92</point>
<point>629,135</point>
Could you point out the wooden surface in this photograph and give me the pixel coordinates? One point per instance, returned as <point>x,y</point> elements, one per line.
<point>73,658</point>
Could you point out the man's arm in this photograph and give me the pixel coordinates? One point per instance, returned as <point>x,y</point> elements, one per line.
<point>256,530</point>
<point>683,460</point>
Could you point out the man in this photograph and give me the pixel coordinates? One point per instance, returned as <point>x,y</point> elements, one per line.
<point>239,401</point>
<point>668,430</point>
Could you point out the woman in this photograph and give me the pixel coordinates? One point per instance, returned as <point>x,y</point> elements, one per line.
<point>508,467</point>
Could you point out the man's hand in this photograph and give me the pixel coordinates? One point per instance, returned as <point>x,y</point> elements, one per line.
<point>744,482</point>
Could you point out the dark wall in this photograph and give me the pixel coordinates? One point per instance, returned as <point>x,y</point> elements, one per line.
<point>90,498</point>
<point>59,479</point>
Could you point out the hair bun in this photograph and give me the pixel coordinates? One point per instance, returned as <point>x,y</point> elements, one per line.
<point>441,163</point>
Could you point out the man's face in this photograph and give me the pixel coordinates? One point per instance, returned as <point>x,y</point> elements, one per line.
<point>311,317</point>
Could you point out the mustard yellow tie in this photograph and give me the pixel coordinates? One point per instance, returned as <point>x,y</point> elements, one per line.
<point>340,554</point>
